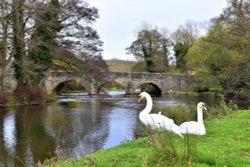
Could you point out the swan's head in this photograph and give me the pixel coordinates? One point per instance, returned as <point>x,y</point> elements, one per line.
<point>142,95</point>
<point>202,105</point>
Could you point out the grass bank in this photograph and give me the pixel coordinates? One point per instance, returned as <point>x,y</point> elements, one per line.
<point>227,143</point>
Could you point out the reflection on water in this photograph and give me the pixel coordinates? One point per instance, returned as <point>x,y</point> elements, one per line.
<point>78,124</point>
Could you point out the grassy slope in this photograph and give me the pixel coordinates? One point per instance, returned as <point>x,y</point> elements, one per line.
<point>227,143</point>
<point>120,65</point>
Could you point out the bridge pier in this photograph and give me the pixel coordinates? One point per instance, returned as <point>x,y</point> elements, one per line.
<point>129,81</point>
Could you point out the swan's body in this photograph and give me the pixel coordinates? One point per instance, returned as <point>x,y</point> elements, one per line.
<point>193,127</point>
<point>156,121</point>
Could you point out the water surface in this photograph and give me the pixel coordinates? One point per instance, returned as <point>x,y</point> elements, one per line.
<point>76,125</point>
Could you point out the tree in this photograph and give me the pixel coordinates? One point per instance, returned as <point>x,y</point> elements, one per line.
<point>4,29</point>
<point>151,46</point>
<point>18,40</point>
<point>38,28</point>
<point>5,56</point>
<point>43,40</point>
<point>182,39</point>
<point>76,32</point>
<point>180,51</point>
<point>221,59</point>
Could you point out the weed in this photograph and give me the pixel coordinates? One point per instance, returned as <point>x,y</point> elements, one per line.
<point>222,109</point>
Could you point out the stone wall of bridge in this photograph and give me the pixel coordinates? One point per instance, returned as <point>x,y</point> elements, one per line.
<point>164,81</point>
<point>129,81</point>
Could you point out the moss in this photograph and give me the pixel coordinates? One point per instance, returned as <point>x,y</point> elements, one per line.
<point>50,98</point>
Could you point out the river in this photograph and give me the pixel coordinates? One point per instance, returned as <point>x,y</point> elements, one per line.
<point>76,125</point>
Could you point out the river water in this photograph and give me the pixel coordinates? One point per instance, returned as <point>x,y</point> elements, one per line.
<point>75,125</point>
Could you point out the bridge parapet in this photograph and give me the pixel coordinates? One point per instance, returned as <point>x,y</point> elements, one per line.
<point>130,81</point>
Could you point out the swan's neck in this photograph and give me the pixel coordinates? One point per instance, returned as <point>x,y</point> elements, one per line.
<point>199,115</point>
<point>149,105</point>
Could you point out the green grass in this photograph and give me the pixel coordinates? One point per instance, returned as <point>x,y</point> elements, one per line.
<point>116,65</point>
<point>227,143</point>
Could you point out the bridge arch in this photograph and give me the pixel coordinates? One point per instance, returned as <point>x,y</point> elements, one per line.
<point>150,87</point>
<point>69,84</point>
<point>162,82</point>
<point>111,83</point>
<point>54,82</point>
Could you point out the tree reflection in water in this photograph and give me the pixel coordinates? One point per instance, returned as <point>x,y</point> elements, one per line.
<point>30,134</point>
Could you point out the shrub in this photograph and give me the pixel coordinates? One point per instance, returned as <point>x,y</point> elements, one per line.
<point>222,109</point>
<point>164,146</point>
<point>3,99</point>
<point>28,94</point>
<point>169,147</point>
<point>179,113</point>
<point>217,90</point>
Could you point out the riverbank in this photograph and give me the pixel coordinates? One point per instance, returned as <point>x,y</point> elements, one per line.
<point>227,143</point>
<point>10,100</point>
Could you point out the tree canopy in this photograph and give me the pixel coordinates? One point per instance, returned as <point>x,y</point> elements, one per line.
<point>151,46</point>
<point>221,59</point>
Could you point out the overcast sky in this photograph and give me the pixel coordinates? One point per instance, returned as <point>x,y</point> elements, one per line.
<point>119,19</point>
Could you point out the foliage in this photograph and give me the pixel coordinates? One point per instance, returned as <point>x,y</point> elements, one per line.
<point>34,31</point>
<point>151,46</point>
<point>222,109</point>
<point>111,86</point>
<point>140,66</point>
<point>180,51</point>
<point>43,40</point>
<point>221,59</point>
<point>72,86</point>
<point>216,90</point>
<point>182,39</point>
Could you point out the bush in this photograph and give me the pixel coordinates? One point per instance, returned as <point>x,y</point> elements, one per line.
<point>3,99</point>
<point>164,145</point>
<point>28,94</point>
<point>222,109</point>
<point>217,90</point>
<point>179,113</point>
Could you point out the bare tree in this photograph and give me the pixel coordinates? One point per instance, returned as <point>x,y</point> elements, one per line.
<point>186,33</point>
<point>151,46</point>
<point>182,39</point>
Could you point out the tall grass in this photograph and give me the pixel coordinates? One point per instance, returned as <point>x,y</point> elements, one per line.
<point>168,147</point>
<point>222,109</point>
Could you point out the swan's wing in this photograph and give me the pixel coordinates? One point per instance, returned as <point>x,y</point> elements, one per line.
<point>189,127</point>
<point>161,121</point>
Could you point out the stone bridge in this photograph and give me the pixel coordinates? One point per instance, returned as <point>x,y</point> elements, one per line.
<point>164,82</point>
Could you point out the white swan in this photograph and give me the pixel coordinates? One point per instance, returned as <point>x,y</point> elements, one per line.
<point>193,127</point>
<point>155,121</point>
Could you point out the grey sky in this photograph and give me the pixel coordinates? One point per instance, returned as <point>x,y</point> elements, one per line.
<point>120,18</point>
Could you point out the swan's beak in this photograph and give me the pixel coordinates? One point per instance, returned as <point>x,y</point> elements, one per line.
<point>139,98</point>
<point>204,108</point>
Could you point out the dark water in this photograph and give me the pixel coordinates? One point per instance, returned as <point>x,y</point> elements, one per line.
<point>82,125</point>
